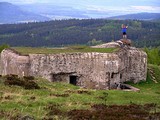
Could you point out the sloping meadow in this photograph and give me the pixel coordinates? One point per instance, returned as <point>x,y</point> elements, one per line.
<point>49,101</point>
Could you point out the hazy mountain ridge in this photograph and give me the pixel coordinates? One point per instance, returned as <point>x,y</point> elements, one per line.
<point>55,11</point>
<point>139,16</point>
<point>14,14</point>
<point>11,13</point>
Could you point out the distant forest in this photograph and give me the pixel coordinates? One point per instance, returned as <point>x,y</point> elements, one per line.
<point>74,31</point>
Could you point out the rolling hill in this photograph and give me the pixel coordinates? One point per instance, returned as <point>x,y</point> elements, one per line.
<point>55,11</point>
<point>74,31</point>
<point>138,16</point>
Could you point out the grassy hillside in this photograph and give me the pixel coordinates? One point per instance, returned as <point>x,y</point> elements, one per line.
<point>57,100</point>
<point>43,100</point>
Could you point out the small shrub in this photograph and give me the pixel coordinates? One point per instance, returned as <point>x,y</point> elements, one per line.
<point>25,83</point>
<point>11,81</point>
<point>31,85</point>
<point>11,77</point>
<point>53,109</point>
<point>28,77</point>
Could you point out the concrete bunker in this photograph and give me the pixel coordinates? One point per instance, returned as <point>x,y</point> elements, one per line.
<point>88,70</point>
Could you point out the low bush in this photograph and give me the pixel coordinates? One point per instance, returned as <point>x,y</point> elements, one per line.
<point>25,82</point>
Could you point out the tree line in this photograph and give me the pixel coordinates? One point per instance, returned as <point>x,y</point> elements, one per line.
<point>75,31</point>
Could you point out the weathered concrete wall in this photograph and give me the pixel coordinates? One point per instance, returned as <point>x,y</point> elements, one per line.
<point>92,70</point>
<point>14,63</point>
<point>133,65</point>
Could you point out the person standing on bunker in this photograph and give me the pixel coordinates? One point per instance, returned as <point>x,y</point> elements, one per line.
<point>124,31</point>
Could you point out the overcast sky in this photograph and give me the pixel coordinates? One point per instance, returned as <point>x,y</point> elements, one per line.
<point>128,6</point>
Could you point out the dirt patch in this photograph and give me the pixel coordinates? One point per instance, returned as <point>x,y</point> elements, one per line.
<point>8,115</point>
<point>60,95</point>
<point>105,112</point>
<point>32,98</point>
<point>53,110</point>
<point>84,92</point>
<point>25,82</point>
<point>8,97</point>
<point>79,92</point>
<point>115,112</point>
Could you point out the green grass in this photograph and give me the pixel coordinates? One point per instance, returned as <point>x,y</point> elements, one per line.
<point>71,49</point>
<point>16,100</point>
<point>153,55</point>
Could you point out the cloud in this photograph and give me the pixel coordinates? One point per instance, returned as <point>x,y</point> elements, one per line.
<point>146,8</point>
<point>29,1</point>
<point>132,9</point>
<point>97,8</point>
<point>106,8</point>
<point>108,11</point>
